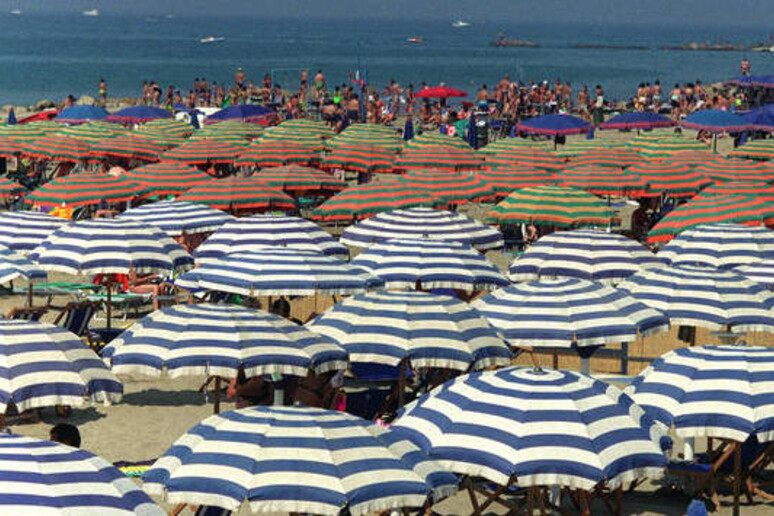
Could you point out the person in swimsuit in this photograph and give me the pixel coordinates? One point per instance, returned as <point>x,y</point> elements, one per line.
<point>102,92</point>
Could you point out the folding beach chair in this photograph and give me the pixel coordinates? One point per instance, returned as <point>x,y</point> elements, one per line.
<point>31,313</point>
<point>76,317</point>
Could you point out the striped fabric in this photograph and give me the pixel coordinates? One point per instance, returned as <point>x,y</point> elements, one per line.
<point>13,266</point>
<point>505,179</point>
<point>278,271</point>
<point>603,180</point>
<point>278,135</point>
<point>363,201</point>
<point>566,312</point>
<point>536,428</point>
<point>248,233</point>
<point>582,146</point>
<point>201,151</point>
<point>611,157</point>
<point>111,246</point>
<point>720,245</point>
<point>427,264</point>
<point>298,180</point>
<point>675,180</point>
<point>436,139</point>
<point>526,157</point>
<point>763,191</point>
<point>239,193</point>
<point>9,188</point>
<point>438,158</point>
<point>56,148</point>
<point>209,339</point>
<point>178,218</point>
<point>666,147</point>
<point>9,147</point>
<point>360,159</point>
<point>276,154</point>
<point>23,231</point>
<point>348,138</point>
<point>736,170</point>
<point>582,253</point>
<point>419,223</point>
<point>235,127</point>
<point>167,177</point>
<point>428,330</point>
<point>760,272</point>
<point>92,132</point>
<point>705,297</point>
<point>158,137</point>
<point>43,477</point>
<point>42,365</point>
<point>297,460</point>
<point>172,126</point>
<point>757,149</point>
<point>85,189</point>
<point>451,189</point>
<point>128,147</point>
<point>711,391</point>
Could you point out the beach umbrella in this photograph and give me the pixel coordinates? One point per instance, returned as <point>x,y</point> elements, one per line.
<point>437,139</point>
<point>704,297</point>
<point>691,158</point>
<point>637,120</point>
<point>318,127</point>
<point>583,253</point>
<point>127,147</point>
<point>581,147</point>
<point>27,132</point>
<point>438,158</point>
<point>167,177</point>
<point>85,189</point>
<point>553,125</point>
<point>756,149</point>
<point>426,330</point>
<point>81,114</point>
<point>736,170</point>
<point>536,428</point>
<point>297,180</point>
<point>603,181</point>
<point>238,193</point>
<point>9,188</point>
<point>408,129</point>
<point>56,148</point>
<point>45,477</point>
<point>669,178</point>
<point>649,137</point>
<point>422,223</point>
<point>91,133</point>
<point>739,209</point>
<point>292,136</point>
<point>236,128</point>
<point>138,115</point>
<point>249,233</point>
<point>170,126</point>
<point>429,264</point>
<point>763,191</point>
<point>760,272</point>
<point>612,157</point>
<point>667,147</point>
<point>265,154</point>
<point>220,137</point>
<point>553,206</point>
<point>439,92</point>
<point>450,188</point>
<point>723,246</point>
<point>278,271</point>
<point>347,138</point>
<point>362,201</point>
<point>23,231</point>
<point>360,159</point>
<point>157,137</point>
<point>245,112</point>
<point>297,460</point>
<point>506,179</point>
<point>13,266</point>
<point>525,157</point>
<point>44,365</point>
<point>198,152</point>
<point>178,218</point>
<point>9,147</point>
<point>715,121</point>
<point>220,340</point>
<point>11,117</point>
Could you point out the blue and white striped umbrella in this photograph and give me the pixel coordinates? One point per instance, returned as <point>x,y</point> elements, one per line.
<point>711,391</point>
<point>179,218</point>
<point>536,428</point>
<point>42,365</point>
<point>297,460</point>
<point>209,339</point>
<point>760,272</point>
<point>582,253</point>
<point>249,233</point>
<point>23,231</point>
<point>111,246</point>
<point>426,264</point>
<point>419,223</point>
<point>429,330</point>
<point>720,245</point>
<point>563,312</point>
<point>705,297</point>
<point>278,271</point>
<point>13,266</point>
<point>48,478</point>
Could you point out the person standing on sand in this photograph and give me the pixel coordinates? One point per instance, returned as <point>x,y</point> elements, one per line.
<point>319,84</point>
<point>483,94</point>
<point>598,113</point>
<point>102,93</point>
<point>583,102</point>
<point>745,67</point>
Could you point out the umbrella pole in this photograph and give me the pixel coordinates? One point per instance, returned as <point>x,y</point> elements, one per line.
<point>402,382</point>
<point>29,294</point>
<point>737,474</point>
<point>109,307</point>
<point>216,401</point>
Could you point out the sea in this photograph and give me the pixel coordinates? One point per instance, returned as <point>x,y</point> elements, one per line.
<point>48,56</point>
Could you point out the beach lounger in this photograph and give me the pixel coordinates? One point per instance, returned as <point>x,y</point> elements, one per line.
<point>76,317</point>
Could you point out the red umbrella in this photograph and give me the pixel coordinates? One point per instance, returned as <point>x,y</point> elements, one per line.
<point>167,177</point>
<point>9,147</point>
<point>673,179</point>
<point>505,180</point>
<point>603,181</point>
<point>239,193</point>
<point>297,180</point>
<point>276,154</point>
<point>754,188</point>
<point>736,170</point>
<point>526,157</point>
<point>451,188</point>
<point>440,92</point>
<point>128,147</point>
<point>438,157</point>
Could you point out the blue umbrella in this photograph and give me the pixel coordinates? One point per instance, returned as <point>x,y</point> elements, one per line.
<point>138,114</point>
<point>244,112</point>
<point>472,135</point>
<point>554,125</point>
<point>716,121</point>
<point>23,231</point>
<point>408,130</point>
<point>637,120</point>
<point>11,117</point>
<point>722,246</point>
<point>79,114</point>
<point>765,81</point>
<point>177,217</point>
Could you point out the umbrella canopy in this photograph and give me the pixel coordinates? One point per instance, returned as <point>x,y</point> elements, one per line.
<point>167,177</point>
<point>637,120</point>
<point>438,158</point>
<point>711,209</point>
<point>360,159</point>
<point>439,92</point>
<point>581,147</point>
<point>603,181</point>
<point>692,158</point>
<point>238,193</point>
<point>669,178</point>
<point>366,138</point>
<point>525,157</point>
<point>81,114</point>
<point>436,139</point>
<point>278,271</point>
<point>427,330</point>
<point>56,148</point>
<point>429,264</point>
<point>44,365</point>
<point>171,126</point>
<point>9,188</point>
<point>85,189</point>
<point>138,114</point>
<point>248,233</point>
<point>298,180</point>
<point>23,231</point>
<point>535,428</point>
<point>704,297</point>
<point>28,131</point>
<point>219,340</point>
<point>52,478</point>
<point>611,157</point>
<point>756,149</point>
<point>667,147</point>
<point>111,246</point>
<point>9,147</point>
<point>420,223</point>
<point>362,201</point>
<point>91,132</point>
<point>13,266</point>
<point>760,272</point>
<point>201,151</point>
<point>264,154</point>
<point>233,127</point>
<point>128,147</point>
<point>178,218</point>
<point>245,112</point>
<point>568,312</point>
<point>736,170</point>
<point>505,179</point>
<point>297,460</point>
<point>720,246</point>
<point>554,125</point>
<point>157,137</point>
<point>715,121</point>
<point>583,253</point>
<point>554,206</point>
<point>710,391</point>
<point>450,188</point>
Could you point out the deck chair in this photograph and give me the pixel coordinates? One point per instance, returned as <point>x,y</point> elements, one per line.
<point>31,313</point>
<point>704,472</point>
<point>75,317</point>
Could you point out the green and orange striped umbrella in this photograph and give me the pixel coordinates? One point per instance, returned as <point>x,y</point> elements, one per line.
<point>741,209</point>
<point>29,131</point>
<point>196,152</point>
<point>664,148</point>
<point>292,137</point>
<point>758,189</point>
<point>129,147</point>
<point>349,138</point>
<point>170,126</point>
<point>603,181</point>
<point>9,147</point>
<point>85,189</point>
<point>360,159</point>
<point>615,158</point>
<point>505,180</point>
<point>648,137</point>
<point>673,180</point>
<point>526,156</point>
<point>581,147</point>
<point>736,170</point>
<point>757,149</point>
<point>9,188</point>
<point>438,158</point>
<point>157,137</point>
<point>690,158</point>
<point>239,193</point>
<point>433,139</point>
<point>239,128</point>
<point>451,188</point>
<point>552,206</point>
<point>276,154</point>
<point>507,144</point>
<point>92,132</point>
<point>309,126</point>
<point>297,180</point>
<point>57,148</point>
<point>363,201</point>
<point>167,177</point>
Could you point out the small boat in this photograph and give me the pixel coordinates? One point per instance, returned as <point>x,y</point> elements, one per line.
<point>459,24</point>
<point>416,41</point>
<point>91,12</point>
<point>212,39</point>
<point>16,12</point>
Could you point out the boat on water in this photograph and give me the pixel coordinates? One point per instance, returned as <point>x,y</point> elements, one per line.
<point>416,41</point>
<point>212,39</point>
<point>17,12</point>
<point>459,24</point>
<point>503,41</point>
<point>91,12</point>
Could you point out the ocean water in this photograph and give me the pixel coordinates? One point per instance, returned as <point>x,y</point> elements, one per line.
<point>50,56</point>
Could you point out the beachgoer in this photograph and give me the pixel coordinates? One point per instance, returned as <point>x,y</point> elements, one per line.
<point>599,105</point>
<point>745,66</point>
<point>102,93</point>
<point>65,433</point>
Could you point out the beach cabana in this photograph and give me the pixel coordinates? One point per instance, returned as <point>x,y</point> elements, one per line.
<point>722,246</point>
